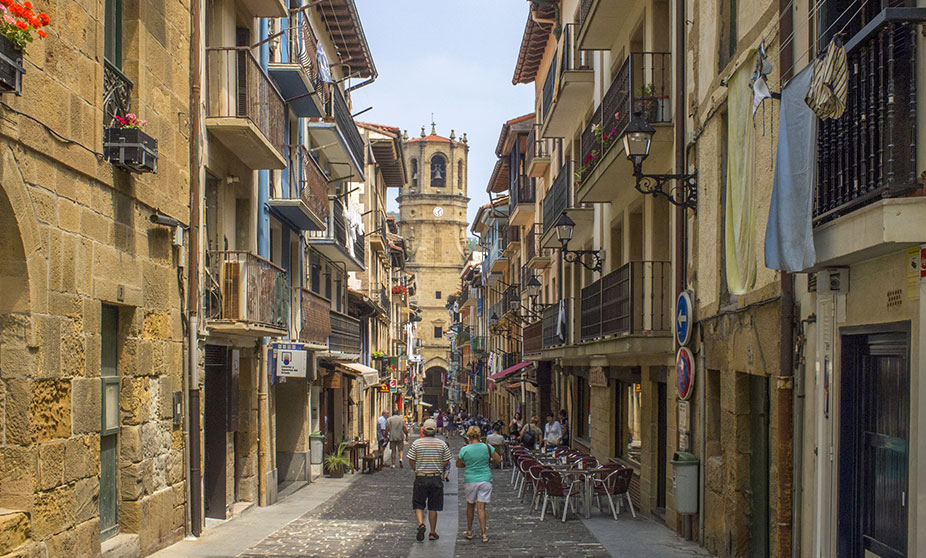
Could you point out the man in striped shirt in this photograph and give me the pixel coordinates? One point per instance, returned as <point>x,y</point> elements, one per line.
<point>428,456</point>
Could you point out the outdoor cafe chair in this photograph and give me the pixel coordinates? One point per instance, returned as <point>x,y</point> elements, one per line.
<point>555,488</point>
<point>615,483</point>
<point>523,466</point>
<point>536,483</point>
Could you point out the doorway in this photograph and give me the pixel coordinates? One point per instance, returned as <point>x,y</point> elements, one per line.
<point>874,438</point>
<point>758,467</point>
<point>215,469</point>
<point>661,441</point>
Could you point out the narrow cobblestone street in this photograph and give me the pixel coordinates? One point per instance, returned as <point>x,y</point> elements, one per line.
<point>371,516</point>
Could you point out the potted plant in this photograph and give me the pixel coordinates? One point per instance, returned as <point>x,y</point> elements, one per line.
<point>653,106</point>
<point>377,355</point>
<point>336,463</point>
<point>17,24</point>
<point>129,148</point>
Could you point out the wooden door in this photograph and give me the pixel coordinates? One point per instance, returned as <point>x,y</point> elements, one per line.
<point>214,428</point>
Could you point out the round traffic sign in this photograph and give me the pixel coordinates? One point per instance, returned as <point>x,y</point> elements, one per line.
<point>684,373</point>
<point>683,318</point>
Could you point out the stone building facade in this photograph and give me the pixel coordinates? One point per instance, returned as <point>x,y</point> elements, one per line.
<point>432,218</point>
<point>90,286</point>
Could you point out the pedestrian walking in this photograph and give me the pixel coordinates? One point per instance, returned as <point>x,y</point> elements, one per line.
<point>398,434</point>
<point>552,432</point>
<point>382,435</point>
<point>531,433</point>
<point>564,420</point>
<point>477,481</point>
<point>428,456</point>
<point>514,429</point>
<point>440,422</point>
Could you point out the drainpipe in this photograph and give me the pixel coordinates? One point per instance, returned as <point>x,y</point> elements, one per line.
<point>786,404</point>
<point>702,437</point>
<point>263,250</point>
<point>681,166</point>
<point>191,378</point>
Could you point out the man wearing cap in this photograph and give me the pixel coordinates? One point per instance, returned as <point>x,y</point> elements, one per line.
<point>428,456</point>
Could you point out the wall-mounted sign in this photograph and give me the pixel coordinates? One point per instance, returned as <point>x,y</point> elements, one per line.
<point>393,386</point>
<point>384,388</point>
<point>683,318</point>
<point>291,361</point>
<point>684,373</point>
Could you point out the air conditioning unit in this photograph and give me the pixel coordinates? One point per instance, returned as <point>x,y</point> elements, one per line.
<point>833,280</point>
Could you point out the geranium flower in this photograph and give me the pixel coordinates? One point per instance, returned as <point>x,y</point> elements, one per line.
<point>22,25</point>
<point>42,34</point>
<point>43,17</point>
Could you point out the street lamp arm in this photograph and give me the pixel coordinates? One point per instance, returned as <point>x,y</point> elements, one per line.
<point>578,256</point>
<point>684,193</point>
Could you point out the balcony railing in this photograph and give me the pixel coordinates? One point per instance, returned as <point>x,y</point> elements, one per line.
<point>345,334</point>
<point>532,245</point>
<point>571,58</point>
<point>337,108</point>
<point>386,302</point>
<point>336,231</point>
<point>549,87</point>
<point>584,8</point>
<point>642,84</point>
<point>558,197</point>
<point>634,298</point>
<point>307,181</point>
<point>869,152</point>
<point>557,324</point>
<point>478,344</point>
<point>238,87</point>
<point>508,295</point>
<point>246,288</point>
<point>511,235</point>
<point>315,322</point>
<point>533,338</point>
<point>523,191</point>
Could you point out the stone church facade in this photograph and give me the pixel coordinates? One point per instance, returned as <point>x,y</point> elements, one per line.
<point>432,217</point>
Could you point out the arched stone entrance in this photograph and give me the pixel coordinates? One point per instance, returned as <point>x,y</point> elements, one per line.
<point>434,393</point>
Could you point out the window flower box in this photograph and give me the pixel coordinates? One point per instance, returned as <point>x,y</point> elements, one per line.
<point>131,150</point>
<point>11,67</point>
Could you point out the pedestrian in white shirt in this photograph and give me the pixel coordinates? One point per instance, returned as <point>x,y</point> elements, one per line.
<point>552,432</point>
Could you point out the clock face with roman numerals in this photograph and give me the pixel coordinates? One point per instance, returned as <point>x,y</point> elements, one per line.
<point>438,211</point>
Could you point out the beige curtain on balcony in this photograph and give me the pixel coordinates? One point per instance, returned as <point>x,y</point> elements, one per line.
<point>739,222</point>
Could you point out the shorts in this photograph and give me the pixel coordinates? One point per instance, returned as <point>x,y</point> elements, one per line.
<point>477,492</point>
<point>397,445</point>
<point>428,493</point>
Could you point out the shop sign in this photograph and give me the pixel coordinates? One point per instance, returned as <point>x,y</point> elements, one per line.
<point>684,373</point>
<point>597,377</point>
<point>683,318</point>
<point>384,388</point>
<point>923,261</point>
<point>393,386</point>
<point>291,360</point>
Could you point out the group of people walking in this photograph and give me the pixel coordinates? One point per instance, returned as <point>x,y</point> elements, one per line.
<point>429,457</point>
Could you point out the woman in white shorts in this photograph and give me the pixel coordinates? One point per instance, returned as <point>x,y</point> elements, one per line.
<point>477,482</point>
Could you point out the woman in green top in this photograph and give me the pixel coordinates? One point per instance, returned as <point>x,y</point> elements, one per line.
<point>477,482</point>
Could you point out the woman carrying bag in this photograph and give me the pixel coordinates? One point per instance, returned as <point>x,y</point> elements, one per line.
<point>477,482</point>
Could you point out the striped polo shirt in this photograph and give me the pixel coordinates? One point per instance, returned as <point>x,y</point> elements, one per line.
<point>429,455</point>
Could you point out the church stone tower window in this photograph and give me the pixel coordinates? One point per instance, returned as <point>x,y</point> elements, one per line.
<point>438,171</point>
<point>460,175</point>
<point>415,173</point>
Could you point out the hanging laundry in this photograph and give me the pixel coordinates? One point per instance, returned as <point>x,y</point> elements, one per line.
<point>789,234</point>
<point>740,253</point>
<point>826,96</point>
<point>759,81</point>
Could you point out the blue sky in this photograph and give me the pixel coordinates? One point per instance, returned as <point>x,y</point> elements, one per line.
<point>452,58</point>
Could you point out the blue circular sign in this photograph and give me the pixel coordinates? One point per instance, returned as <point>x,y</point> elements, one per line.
<point>683,318</point>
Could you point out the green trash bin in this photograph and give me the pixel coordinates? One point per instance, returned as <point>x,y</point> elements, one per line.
<point>316,447</point>
<point>685,481</point>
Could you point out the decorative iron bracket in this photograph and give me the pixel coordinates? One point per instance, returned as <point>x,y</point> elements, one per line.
<point>684,193</point>
<point>577,256</point>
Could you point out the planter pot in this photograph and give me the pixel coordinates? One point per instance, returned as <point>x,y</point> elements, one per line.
<point>336,474</point>
<point>131,150</point>
<point>11,67</point>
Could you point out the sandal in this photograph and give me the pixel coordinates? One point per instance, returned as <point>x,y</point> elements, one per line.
<point>468,535</point>
<point>420,535</point>
<point>485,538</point>
<point>433,537</point>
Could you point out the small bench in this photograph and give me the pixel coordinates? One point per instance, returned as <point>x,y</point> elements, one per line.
<point>372,462</point>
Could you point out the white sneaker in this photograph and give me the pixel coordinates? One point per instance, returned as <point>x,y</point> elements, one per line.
<point>393,466</point>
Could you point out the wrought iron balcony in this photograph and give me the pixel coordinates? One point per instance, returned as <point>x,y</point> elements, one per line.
<point>559,196</point>
<point>478,344</point>
<point>571,91</point>
<point>869,153</point>
<point>305,203</point>
<point>246,293</point>
<point>244,109</point>
<point>536,256</point>
<point>537,157</point>
<point>336,242</point>
<point>635,298</point>
<point>314,319</point>
<point>337,135</point>
<point>533,338</point>
<point>557,324</point>
<point>523,196</point>
<point>297,75</point>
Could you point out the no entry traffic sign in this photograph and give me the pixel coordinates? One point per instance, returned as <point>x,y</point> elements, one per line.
<point>684,373</point>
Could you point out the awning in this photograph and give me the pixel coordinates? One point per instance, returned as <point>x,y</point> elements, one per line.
<point>370,375</point>
<point>423,404</point>
<point>509,371</point>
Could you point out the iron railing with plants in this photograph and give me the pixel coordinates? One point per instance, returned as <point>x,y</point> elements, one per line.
<point>869,153</point>
<point>238,87</point>
<point>244,287</point>
<point>634,298</point>
<point>642,84</point>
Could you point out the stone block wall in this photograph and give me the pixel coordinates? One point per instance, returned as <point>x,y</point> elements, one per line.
<point>76,235</point>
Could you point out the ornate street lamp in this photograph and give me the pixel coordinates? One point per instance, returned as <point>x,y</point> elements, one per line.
<point>637,139</point>
<point>565,226</point>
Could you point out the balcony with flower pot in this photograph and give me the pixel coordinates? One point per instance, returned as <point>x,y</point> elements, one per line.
<point>17,26</point>
<point>641,86</point>
<point>128,147</point>
<point>244,109</point>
